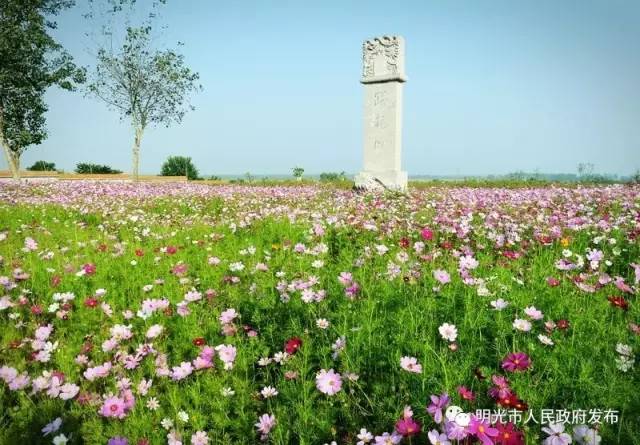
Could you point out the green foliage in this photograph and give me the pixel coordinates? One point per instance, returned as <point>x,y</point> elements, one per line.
<point>31,61</point>
<point>298,172</point>
<point>88,168</point>
<point>333,177</point>
<point>42,166</point>
<point>179,166</point>
<point>143,84</point>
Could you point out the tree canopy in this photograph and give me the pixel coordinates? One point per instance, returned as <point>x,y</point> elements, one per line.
<point>30,62</point>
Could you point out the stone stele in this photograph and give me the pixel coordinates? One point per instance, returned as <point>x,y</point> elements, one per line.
<point>382,76</point>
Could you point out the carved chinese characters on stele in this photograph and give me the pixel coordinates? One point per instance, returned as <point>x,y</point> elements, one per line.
<point>383,76</point>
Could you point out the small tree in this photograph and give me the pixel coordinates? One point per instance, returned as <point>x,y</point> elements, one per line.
<point>145,85</point>
<point>30,62</point>
<point>298,172</point>
<point>42,166</point>
<point>179,166</point>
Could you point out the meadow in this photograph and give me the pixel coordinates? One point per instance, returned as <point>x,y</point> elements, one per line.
<point>216,314</point>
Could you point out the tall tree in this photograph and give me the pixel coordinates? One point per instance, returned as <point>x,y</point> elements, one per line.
<point>30,62</point>
<point>145,85</point>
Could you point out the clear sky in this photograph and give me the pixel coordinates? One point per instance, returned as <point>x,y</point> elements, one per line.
<point>494,87</point>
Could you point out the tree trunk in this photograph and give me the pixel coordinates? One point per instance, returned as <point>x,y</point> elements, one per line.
<point>136,152</point>
<point>13,158</point>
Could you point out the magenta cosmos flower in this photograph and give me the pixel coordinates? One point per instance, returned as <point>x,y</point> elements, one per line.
<point>482,430</point>
<point>114,407</point>
<point>328,382</point>
<point>517,361</point>
<point>408,427</point>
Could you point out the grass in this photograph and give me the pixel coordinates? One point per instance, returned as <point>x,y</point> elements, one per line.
<point>393,315</point>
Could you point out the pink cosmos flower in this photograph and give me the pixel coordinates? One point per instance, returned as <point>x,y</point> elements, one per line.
<point>556,433</point>
<point>388,439</point>
<point>182,309</point>
<point>345,278</point>
<point>265,423</point>
<point>517,361</point>
<point>227,354</point>
<point>437,438</point>
<point>68,391</point>
<point>328,382</point>
<point>199,438</point>
<point>113,407</point>
<point>192,295</point>
<point>411,364</point>
<point>438,403</point>
<point>533,313</point>
<point>228,316</point>
<point>180,372</point>
<point>442,276</point>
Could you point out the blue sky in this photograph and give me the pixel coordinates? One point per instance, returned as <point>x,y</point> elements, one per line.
<point>494,87</point>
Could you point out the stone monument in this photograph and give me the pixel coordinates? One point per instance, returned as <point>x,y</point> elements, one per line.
<point>382,76</point>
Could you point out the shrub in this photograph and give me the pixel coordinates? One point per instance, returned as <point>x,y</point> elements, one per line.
<point>333,177</point>
<point>179,166</point>
<point>88,168</point>
<point>42,166</point>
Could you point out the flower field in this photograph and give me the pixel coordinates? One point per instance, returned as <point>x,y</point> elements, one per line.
<point>195,314</point>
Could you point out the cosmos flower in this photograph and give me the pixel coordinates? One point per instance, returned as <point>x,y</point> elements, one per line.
<point>411,364</point>
<point>517,361</point>
<point>556,434</point>
<point>113,407</point>
<point>408,427</point>
<point>483,430</point>
<point>448,332</point>
<point>438,403</point>
<point>265,424</point>
<point>328,382</point>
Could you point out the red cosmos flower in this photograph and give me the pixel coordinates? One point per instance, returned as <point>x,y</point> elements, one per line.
<point>404,242</point>
<point>102,247</point>
<point>466,393</point>
<point>619,302</point>
<point>143,442</point>
<point>89,268</point>
<point>292,345</point>
<point>562,324</point>
<point>408,427</point>
<point>36,309</point>
<point>446,245</point>
<point>55,280</point>
<point>171,250</point>
<point>512,401</point>
<point>91,302</point>
<point>511,254</point>
<point>427,234</point>
<point>517,361</point>
<point>139,252</point>
<point>508,435</point>
<point>199,341</point>
<point>86,347</point>
<point>553,282</point>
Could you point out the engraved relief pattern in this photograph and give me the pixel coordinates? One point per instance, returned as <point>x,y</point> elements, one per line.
<point>381,50</point>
